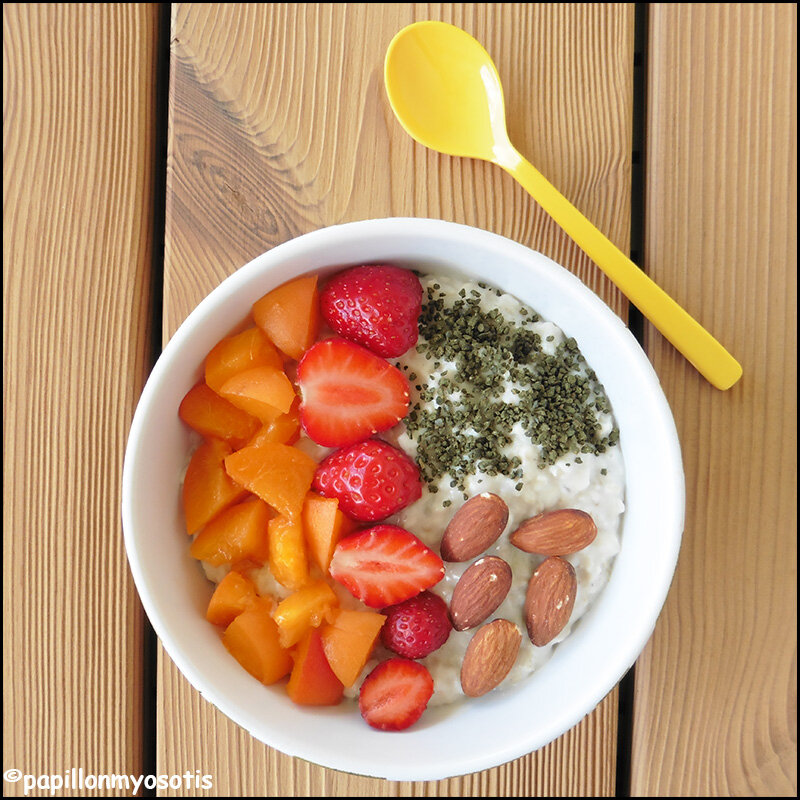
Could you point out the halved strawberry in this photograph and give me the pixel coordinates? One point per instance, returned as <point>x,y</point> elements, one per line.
<point>384,565</point>
<point>348,393</point>
<point>394,695</point>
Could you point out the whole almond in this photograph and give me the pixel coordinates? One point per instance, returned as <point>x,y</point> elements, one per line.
<point>479,592</point>
<point>549,599</point>
<point>490,655</point>
<point>474,527</point>
<point>555,533</point>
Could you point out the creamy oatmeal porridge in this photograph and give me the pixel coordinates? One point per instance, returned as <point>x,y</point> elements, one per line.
<point>502,402</point>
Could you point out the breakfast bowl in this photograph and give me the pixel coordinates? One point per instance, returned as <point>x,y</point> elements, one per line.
<point>471,733</point>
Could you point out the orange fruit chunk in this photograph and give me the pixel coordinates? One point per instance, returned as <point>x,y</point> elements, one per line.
<point>207,487</point>
<point>348,642</point>
<point>212,416</point>
<point>288,561</point>
<point>284,429</point>
<point>237,353</point>
<point>264,392</point>
<point>279,474</point>
<point>234,594</point>
<point>238,533</point>
<point>252,639</point>
<point>313,682</point>
<point>289,315</point>
<point>306,608</point>
<point>324,524</point>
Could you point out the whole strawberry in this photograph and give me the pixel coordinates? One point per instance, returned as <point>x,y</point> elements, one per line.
<point>416,627</point>
<point>371,479</point>
<point>375,306</point>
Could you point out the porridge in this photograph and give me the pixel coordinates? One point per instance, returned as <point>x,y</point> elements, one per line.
<point>472,405</point>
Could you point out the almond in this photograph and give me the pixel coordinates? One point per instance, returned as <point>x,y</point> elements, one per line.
<point>549,599</point>
<point>479,592</point>
<point>474,527</point>
<point>490,655</point>
<point>555,533</point>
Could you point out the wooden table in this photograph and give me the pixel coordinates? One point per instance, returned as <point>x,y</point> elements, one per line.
<point>151,150</point>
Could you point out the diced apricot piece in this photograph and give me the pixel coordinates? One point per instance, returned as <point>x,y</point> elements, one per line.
<point>289,315</point>
<point>252,639</point>
<point>284,429</point>
<point>203,410</point>
<point>348,642</point>
<point>264,392</point>
<point>207,487</point>
<point>313,682</point>
<point>279,474</point>
<point>288,561</point>
<point>233,594</point>
<point>238,533</point>
<point>306,608</point>
<point>237,353</point>
<point>324,524</point>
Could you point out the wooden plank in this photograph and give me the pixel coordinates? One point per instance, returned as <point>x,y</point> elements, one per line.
<point>78,150</point>
<point>279,124</point>
<point>716,691</point>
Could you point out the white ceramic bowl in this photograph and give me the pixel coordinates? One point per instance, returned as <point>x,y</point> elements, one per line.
<point>450,740</point>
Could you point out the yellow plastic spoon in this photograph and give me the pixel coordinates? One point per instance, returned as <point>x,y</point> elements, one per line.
<point>446,92</point>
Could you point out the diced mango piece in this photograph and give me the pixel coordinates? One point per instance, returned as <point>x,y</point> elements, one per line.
<point>313,682</point>
<point>212,416</point>
<point>324,524</point>
<point>348,642</point>
<point>288,561</point>
<point>264,392</point>
<point>237,353</point>
<point>252,639</point>
<point>238,533</point>
<point>279,474</point>
<point>289,315</point>
<point>207,487</point>
<point>234,594</point>
<point>306,608</point>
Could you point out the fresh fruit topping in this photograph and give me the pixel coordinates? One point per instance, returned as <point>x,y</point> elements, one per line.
<point>474,527</point>
<point>313,682</point>
<point>555,533</point>
<point>479,592</point>
<point>237,353</point>
<point>306,608</point>
<point>385,565</point>
<point>550,599</point>
<point>234,594</point>
<point>395,694</point>
<point>238,533</point>
<point>212,416</point>
<point>376,306</point>
<point>372,480</point>
<point>348,641</point>
<point>490,655</point>
<point>289,315</point>
<point>348,393</point>
<point>417,626</point>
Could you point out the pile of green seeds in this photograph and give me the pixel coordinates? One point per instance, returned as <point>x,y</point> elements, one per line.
<point>462,418</point>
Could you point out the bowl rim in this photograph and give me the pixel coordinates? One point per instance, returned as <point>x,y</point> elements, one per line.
<point>656,585</point>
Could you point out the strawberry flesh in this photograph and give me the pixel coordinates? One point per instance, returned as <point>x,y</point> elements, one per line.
<point>395,694</point>
<point>384,565</point>
<point>348,393</point>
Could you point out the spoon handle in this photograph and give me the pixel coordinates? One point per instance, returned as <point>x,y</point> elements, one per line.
<point>690,338</point>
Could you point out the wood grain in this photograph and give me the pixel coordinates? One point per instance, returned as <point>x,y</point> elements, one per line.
<point>78,166</point>
<point>279,124</point>
<point>716,690</point>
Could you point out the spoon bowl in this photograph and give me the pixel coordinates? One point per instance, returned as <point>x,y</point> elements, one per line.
<point>446,92</point>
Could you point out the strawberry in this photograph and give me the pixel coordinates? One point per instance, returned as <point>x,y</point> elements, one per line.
<point>348,393</point>
<point>394,695</point>
<point>376,306</point>
<point>384,565</point>
<point>372,480</point>
<point>417,626</point>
